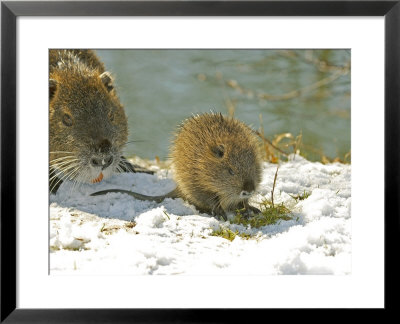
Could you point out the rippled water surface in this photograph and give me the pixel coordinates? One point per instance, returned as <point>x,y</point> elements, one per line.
<point>292,91</point>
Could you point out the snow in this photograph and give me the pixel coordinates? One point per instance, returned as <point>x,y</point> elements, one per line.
<point>117,234</point>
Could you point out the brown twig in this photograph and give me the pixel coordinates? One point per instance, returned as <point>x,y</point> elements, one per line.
<point>270,143</point>
<point>273,187</point>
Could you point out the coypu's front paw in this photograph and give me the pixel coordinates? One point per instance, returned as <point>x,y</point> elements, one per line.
<point>126,166</point>
<point>219,214</point>
<point>250,210</point>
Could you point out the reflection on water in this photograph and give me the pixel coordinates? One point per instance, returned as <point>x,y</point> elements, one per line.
<point>295,91</point>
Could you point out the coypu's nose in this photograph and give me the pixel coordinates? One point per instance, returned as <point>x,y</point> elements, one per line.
<point>101,162</point>
<point>247,189</point>
<point>102,146</point>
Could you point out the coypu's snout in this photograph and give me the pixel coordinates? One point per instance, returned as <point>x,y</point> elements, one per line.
<point>101,162</point>
<point>247,189</point>
<point>102,158</point>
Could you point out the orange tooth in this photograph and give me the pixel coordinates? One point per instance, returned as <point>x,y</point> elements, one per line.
<point>99,178</point>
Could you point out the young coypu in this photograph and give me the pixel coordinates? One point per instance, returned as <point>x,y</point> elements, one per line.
<point>216,162</point>
<point>88,126</point>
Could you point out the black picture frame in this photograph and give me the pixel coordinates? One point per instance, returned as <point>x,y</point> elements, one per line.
<point>10,10</point>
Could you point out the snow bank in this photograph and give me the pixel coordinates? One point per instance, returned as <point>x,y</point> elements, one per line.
<point>117,234</point>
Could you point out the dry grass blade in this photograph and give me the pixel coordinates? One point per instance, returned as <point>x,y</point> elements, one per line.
<point>273,186</point>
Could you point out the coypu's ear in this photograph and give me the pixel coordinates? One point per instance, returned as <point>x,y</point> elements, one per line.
<point>218,150</point>
<point>52,88</point>
<point>107,80</point>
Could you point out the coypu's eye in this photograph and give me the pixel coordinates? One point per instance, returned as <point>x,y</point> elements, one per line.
<point>218,151</point>
<point>67,120</point>
<point>231,171</point>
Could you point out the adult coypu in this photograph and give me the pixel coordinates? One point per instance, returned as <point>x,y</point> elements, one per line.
<point>216,162</point>
<point>88,126</point>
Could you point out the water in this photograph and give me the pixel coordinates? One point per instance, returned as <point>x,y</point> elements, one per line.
<point>160,88</point>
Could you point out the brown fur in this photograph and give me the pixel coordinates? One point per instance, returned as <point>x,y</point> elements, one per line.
<point>87,120</point>
<point>215,158</point>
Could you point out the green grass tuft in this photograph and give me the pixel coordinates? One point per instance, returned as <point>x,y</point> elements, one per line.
<point>302,196</point>
<point>228,234</point>
<point>270,214</point>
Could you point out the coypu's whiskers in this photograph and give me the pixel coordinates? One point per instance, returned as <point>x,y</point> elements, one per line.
<point>119,169</point>
<point>76,178</point>
<point>214,202</point>
<point>58,175</point>
<point>229,202</point>
<point>63,174</point>
<point>70,176</point>
<point>76,185</point>
<point>61,164</point>
<point>54,152</point>
<point>61,169</point>
<point>75,181</point>
<point>64,158</point>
